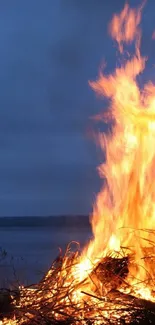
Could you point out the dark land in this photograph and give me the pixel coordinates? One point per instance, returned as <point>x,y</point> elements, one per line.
<point>52,221</point>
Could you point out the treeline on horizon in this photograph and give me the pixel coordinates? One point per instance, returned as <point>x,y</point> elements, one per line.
<point>52,221</point>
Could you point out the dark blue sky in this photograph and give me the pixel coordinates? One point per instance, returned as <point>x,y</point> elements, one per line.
<point>49,51</point>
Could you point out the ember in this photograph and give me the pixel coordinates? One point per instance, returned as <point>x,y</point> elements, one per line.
<point>112,280</point>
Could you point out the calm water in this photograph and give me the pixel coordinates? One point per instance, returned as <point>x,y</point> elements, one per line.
<point>30,251</point>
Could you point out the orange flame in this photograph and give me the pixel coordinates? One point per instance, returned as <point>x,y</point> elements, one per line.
<point>125,206</point>
<point>124,27</point>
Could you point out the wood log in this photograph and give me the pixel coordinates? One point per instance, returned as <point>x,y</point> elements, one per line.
<point>110,273</point>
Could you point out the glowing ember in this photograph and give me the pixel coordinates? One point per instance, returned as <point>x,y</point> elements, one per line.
<point>121,255</point>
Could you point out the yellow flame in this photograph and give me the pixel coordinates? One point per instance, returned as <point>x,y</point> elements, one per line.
<point>125,206</point>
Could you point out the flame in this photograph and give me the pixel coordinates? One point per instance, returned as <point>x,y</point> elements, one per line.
<point>124,212</point>
<point>124,27</point>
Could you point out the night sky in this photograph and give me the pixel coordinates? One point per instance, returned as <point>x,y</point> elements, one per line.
<point>49,51</point>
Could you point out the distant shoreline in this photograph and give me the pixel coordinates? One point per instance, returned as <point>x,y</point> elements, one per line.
<point>52,221</point>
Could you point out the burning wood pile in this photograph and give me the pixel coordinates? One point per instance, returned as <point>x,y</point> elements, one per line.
<point>112,281</point>
<point>104,296</point>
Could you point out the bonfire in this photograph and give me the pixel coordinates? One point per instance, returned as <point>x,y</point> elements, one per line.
<point>111,281</point>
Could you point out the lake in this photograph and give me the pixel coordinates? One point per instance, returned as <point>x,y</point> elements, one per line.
<point>31,250</point>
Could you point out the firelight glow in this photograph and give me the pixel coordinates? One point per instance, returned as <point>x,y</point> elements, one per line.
<point>123,218</point>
